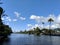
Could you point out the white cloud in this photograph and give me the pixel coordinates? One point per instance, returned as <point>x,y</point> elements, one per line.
<point>3,18</point>
<point>17,14</point>
<point>58,19</point>
<point>14,20</point>
<point>40,19</point>
<point>8,19</point>
<point>29,25</point>
<point>36,25</point>
<point>7,23</point>
<point>55,26</point>
<point>22,18</point>
<point>45,19</point>
<point>34,17</point>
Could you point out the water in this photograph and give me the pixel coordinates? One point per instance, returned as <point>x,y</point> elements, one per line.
<point>25,39</point>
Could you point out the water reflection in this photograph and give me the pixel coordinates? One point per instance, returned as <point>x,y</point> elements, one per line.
<point>25,39</point>
<point>5,39</point>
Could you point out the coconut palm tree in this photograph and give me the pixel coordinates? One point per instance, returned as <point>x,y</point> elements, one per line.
<point>50,20</point>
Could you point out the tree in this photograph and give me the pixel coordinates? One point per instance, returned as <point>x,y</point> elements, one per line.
<point>1,11</point>
<point>50,20</point>
<point>37,31</point>
<point>5,30</point>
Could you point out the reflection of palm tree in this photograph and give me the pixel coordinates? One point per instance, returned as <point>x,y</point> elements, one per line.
<point>50,20</point>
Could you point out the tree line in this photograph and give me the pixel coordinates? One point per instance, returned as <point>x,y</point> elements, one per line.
<point>5,30</point>
<point>44,31</point>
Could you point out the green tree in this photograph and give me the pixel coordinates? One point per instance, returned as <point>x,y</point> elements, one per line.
<point>50,20</point>
<point>5,30</point>
<point>37,31</point>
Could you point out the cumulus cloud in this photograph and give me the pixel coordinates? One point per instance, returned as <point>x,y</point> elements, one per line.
<point>45,19</point>
<point>29,25</point>
<point>2,18</point>
<point>58,19</point>
<point>17,14</point>
<point>8,19</point>
<point>22,18</point>
<point>14,20</point>
<point>40,19</point>
<point>34,17</point>
<point>7,23</point>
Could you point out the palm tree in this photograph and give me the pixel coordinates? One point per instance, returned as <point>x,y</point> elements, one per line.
<point>50,20</point>
<point>1,23</point>
<point>1,11</point>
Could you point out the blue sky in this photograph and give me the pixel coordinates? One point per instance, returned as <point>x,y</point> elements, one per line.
<point>22,13</point>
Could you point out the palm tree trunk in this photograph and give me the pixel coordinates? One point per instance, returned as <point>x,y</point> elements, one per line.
<point>50,26</point>
<point>50,29</point>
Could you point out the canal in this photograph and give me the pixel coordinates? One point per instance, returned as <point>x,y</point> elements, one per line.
<point>25,39</point>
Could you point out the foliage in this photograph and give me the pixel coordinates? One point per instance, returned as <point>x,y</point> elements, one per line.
<point>5,30</point>
<point>50,20</point>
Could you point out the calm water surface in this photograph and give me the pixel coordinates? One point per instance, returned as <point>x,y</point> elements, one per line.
<point>25,39</point>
